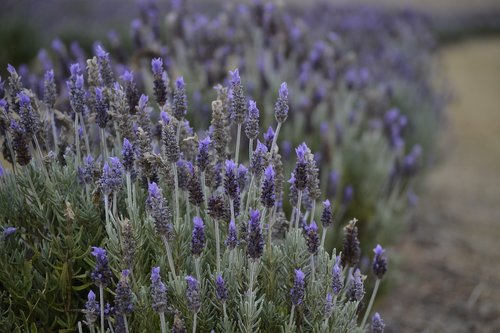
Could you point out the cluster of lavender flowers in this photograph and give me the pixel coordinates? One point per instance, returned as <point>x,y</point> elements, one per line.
<point>175,209</point>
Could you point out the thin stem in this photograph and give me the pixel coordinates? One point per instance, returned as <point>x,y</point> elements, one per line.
<point>217,245</point>
<point>372,299</point>
<point>115,205</point>
<point>80,329</point>
<point>195,319</point>
<point>129,196</point>
<point>313,210</point>
<point>275,139</point>
<point>176,194</point>
<point>197,268</point>
<point>54,130</point>
<point>297,212</point>
<point>250,149</point>
<point>323,237</point>
<point>110,325</point>
<point>101,299</point>
<point>238,139</point>
<point>104,148</point>
<point>252,265</point>
<point>169,256</point>
<point>39,150</point>
<point>126,323</point>
<point>204,187</point>
<point>85,136</point>
<point>231,205</point>
<point>290,322</point>
<point>163,323</point>
<point>188,206</point>
<point>34,193</point>
<point>312,268</point>
<point>77,141</point>
<point>106,207</point>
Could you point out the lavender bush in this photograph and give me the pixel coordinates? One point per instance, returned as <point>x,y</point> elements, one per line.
<point>133,201</point>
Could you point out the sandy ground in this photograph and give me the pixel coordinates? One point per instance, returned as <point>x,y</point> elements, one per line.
<point>449,278</point>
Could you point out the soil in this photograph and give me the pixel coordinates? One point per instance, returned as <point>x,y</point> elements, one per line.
<point>448,275</point>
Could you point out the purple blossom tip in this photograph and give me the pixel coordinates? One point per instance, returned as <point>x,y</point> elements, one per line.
<point>74,69</point>
<point>91,296</point>
<point>283,91</point>
<point>98,252</point>
<point>313,226</point>
<point>11,69</point>
<point>235,76</point>
<point>9,231</point>
<point>79,82</point>
<point>269,172</point>
<point>191,281</point>
<point>378,250</point>
<point>125,273</point>
<point>261,148</point>
<point>165,118</point>
<point>24,100</point>
<point>155,274</point>
<point>206,141</point>
<point>179,83</point>
<point>230,166</point>
<point>98,94</point>
<point>326,203</point>
<point>127,76</point>
<point>254,216</point>
<point>143,101</point>
<point>157,66</point>
<point>198,222</point>
<point>99,51</point>
<point>299,275</point>
<point>154,190</point>
<point>301,152</point>
<point>49,75</point>
<point>269,135</point>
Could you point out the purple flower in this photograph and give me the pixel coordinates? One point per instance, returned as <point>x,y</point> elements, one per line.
<point>159,211</point>
<point>8,231</point>
<point>157,67</point>
<point>101,275</point>
<point>298,290</point>
<point>203,157</point>
<point>337,278</point>
<point>193,296</point>
<point>259,160</point>
<point>172,150</point>
<point>101,108</point>
<point>348,195</point>
<point>301,167</point>
<point>29,118</point>
<point>218,208</point>
<point>111,178</point>
<point>281,107</point>
<point>268,138</point>
<point>333,181</point>
<point>232,236</point>
<point>91,309</point>
<point>238,101</point>
<point>159,82</point>
<point>49,89</point>
<point>312,238</point>
<point>377,325</point>
<point>128,155</point>
<point>230,182</point>
<point>327,215</point>
<point>379,262</point>
<point>356,290</point>
<point>220,289</point>
<point>328,305</point>
<point>180,99</point>
<point>87,171</point>
<point>252,124</point>
<point>198,237</point>
<point>104,66</point>
<point>255,240</point>
<point>268,196</point>
<point>159,300</point>
<point>123,298</point>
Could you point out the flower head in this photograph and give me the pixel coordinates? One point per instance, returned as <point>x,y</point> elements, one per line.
<point>327,215</point>
<point>128,155</point>
<point>377,325</point>
<point>252,124</point>
<point>312,238</point>
<point>180,99</point>
<point>355,291</point>
<point>379,262</point>
<point>281,107</point>
<point>198,237</point>
<point>351,251</point>
<point>91,309</point>
<point>111,178</point>
<point>232,236</point>
<point>158,292</point>
<point>255,240</point>
<point>123,298</point>
<point>220,289</point>
<point>337,278</point>
<point>298,290</point>
<point>101,275</point>
<point>193,294</point>
<point>159,211</point>
<point>268,195</point>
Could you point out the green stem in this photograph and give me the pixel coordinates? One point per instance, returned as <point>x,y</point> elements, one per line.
<point>275,139</point>
<point>197,268</point>
<point>85,136</point>
<point>195,319</point>
<point>297,211</point>
<point>169,256</point>
<point>312,268</point>
<point>238,139</point>
<point>101,299</point>
<point>176,194</point>
<point>77,141</point>
<point>290,321</point>
<point>126,323</point>
<point>163,323</point>
<point>104,148</point>
<point>204,187</point>
<point>217,245</point>
<point>250,149</point>
<point>106,208</point>
<point>372,299</point>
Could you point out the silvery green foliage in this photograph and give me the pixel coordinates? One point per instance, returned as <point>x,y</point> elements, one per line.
<point>208,273</point>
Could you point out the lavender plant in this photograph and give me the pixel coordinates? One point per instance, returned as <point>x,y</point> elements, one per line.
<point>117,233</point>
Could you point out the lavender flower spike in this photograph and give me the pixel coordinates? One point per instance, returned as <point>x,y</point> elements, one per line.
<point>337,278</point>
<point>281,107</point>
<point>180,99</point>
<point>203,157</point>
<point>356,289</point>
<point>351,251</point>
<point>101,108</point>
<point>327,215</point>
<point>91,309</point>
<point>252,124</point>
<point>301,167</point>
<point>239,104</point>
<point>230,181</point>
<point>198,237</point>
<point>255,240</point>
<point>232,237</point>
<point>379,262</point>
<point>159,85</point>
<point>220,289</point>
<point>298,290</point>
<point>268,196</point>
<point>123,298</point>
<point>128,155</point>
<point>101,275</point>
<point>377,325</point>
<point>111,179</point>
<point>158,292</point>
<point>193,296</point>
<point>159,211</point>
<point>312,238</point>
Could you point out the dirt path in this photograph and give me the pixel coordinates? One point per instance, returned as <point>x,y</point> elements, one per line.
<point>449,278</point>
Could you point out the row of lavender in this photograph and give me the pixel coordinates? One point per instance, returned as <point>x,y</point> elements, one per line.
<point>241,252</point>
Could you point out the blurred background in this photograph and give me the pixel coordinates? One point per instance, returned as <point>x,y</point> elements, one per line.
<point>446,276</point>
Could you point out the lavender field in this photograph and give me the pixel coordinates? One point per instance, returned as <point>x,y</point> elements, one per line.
<point>256,166</point>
